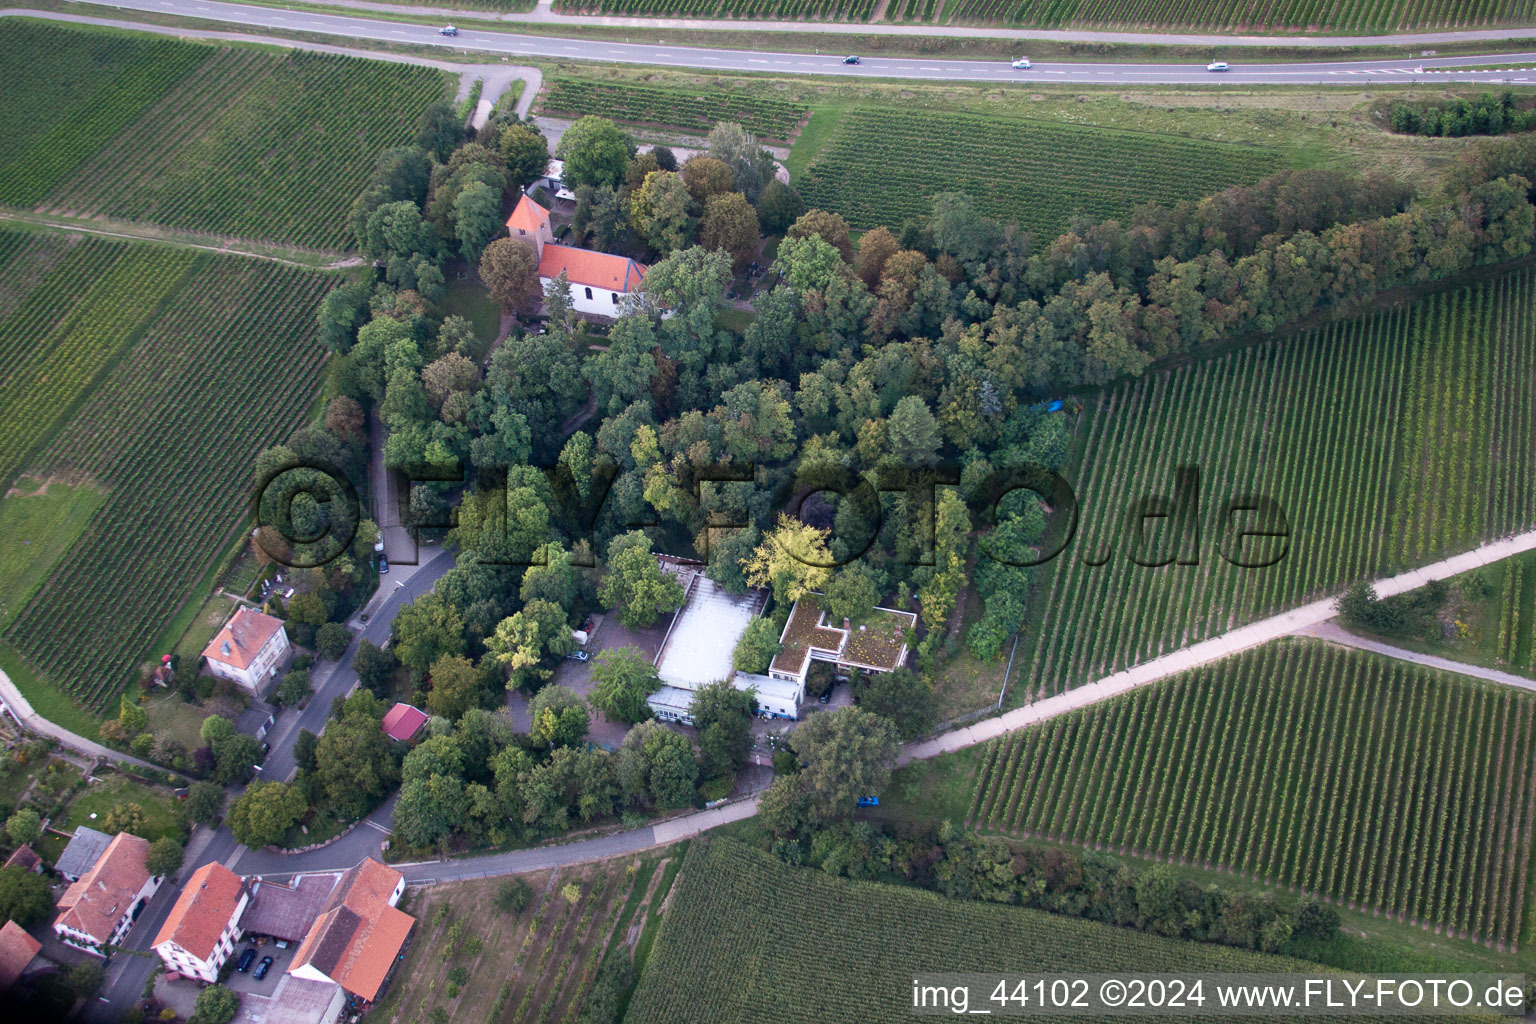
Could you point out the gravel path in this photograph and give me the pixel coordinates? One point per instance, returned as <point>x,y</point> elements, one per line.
<point>1334,633</point>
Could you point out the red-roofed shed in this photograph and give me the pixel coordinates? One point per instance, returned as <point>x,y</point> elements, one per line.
<point>403,722</point>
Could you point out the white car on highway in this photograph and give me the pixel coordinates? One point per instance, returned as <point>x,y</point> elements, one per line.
<point>1217,65</point>
<point>1022,64</point>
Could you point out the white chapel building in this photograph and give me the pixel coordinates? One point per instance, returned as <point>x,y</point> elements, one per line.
<point>600,282</point>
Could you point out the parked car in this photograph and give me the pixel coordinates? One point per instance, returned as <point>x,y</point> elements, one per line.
<point>383,565</point>
<point>869,801</point>
<point>266,748</point>
<point>246,959</point>
<point>850,59</point>
<point>1022,64</point>
<point>825,697</point>
<point>262,968</point>
<point>447,30</point>
<point>579,656</point>
<point>1217,65</point>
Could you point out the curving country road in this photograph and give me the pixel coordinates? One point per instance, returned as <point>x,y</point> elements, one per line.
<point>902,67</point>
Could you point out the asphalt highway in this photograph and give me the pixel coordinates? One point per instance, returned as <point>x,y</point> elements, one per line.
<point>900,67</point>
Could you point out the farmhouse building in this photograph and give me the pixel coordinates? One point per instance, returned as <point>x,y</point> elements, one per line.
<point>83,851</point>
<point>204,925</point>
<point>249,651</point>
<point>878,645</point>
<point>357,939</point>
<point>99,909</point>
<point>26,858</point>
<point>600,283</point>
<point>17,951</point>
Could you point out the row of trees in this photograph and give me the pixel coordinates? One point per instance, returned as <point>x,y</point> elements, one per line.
<point>963,865</point>
<point>477,782</point>
<point>1485,114</point>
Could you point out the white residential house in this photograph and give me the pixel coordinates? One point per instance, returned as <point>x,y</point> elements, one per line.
<point>204,925</point>
<point>99,910</point>
<point>249,651</point>
<point>601,284</point>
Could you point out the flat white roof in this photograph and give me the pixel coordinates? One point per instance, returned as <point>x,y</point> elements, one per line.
<point>703,637</point>
<point>672,697</point>
<point>774,689</point>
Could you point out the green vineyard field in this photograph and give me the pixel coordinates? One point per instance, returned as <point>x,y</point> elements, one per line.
<point>765,116</point>
<point>235,142</point>
<point>208,360</point>
<point>68,91</point>
<point>881,166</point>
<point>1254,15</point>
<point>741,924</point>
<point>1387,441</point>
<point>1364,16</point>
<point>1371,781</point>
<point>788,10</point>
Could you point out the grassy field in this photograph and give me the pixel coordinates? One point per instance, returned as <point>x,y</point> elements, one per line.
<point>240,142</point>
<point>742,915</point>
<point>768,117</point>
<point>1362,16</point>
<point>213,359</point>
<point>1374,782</point>
<point>882,166</point>
<point>470,300</point>
<point>39,522</point>
<point>163,815</point>
<point>1488,619</point>
<point>1387,441</point>
<point>475,963</point>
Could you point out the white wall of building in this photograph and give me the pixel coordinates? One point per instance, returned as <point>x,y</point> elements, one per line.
<point>182,962</point>
<point>260,671</point>
<point>593,300</point>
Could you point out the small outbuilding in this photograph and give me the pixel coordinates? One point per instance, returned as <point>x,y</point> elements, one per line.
<point>403,722</point>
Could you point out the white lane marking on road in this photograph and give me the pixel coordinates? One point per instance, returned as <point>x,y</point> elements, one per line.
<point>930,69</point>
<point>709,58</point>
<point>754,60</point>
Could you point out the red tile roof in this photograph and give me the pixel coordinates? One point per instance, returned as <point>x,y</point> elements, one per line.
<point>25,858</point>
<point>528,216</point>
<point>244,636</point>
<point>402,722</point>
<point>17,949</point>
<point>103,895</point>
<point>203,910</point>
<point>357,937</point>
<point>594,269</point>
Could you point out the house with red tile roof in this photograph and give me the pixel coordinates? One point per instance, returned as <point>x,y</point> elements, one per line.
<point>403,721</point>
<point>600,283</point>
<point>25,858</point>
<point>358,937</point>
<point>99,909</point>
<point>249,651</point>
<point>17,950</point>
<point>204,925</point>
